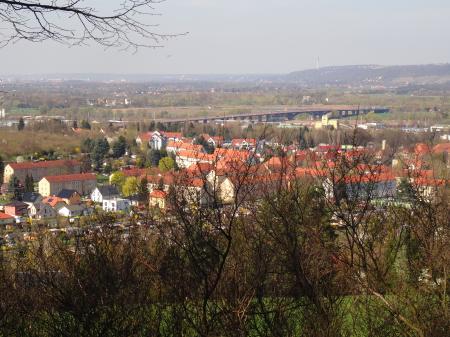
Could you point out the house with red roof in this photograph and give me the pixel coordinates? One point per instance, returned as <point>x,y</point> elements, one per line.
<point>441,148</point>
<point>158,199</point>
<point>83,183</point>
<point>6,219</point>
<point>243,143</point>
<point>40,169</point>
<point>158,140</point>
<point>16,208</point>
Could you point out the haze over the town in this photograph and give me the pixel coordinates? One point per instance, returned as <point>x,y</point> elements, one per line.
<point>260,36</point>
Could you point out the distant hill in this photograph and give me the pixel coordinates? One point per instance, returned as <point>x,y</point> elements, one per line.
<point>431,75</point>
<point>373,75</point>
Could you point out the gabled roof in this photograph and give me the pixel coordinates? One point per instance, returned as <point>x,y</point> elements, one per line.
<point>441,148</point>
<point>4,216</point>
<point>53,201</point>
<point>71,177</point>
<point>31,197</point>
<point>44,164</point>
<point>158,194</point>
<point>16,204</point>
<point>65,193</point>
<point>108,190</point>
<point>172,134</point>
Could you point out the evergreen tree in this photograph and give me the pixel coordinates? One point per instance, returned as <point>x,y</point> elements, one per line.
<point>85,124</point>
<point>143,192</point>
<point>87,145</point>
<point>21,124</point>
<point>75,124</point>
<point>15,188</point>
<point>100,151</point>
<point>29,183</point>
<point>153,157</point>
<point>119,147</point>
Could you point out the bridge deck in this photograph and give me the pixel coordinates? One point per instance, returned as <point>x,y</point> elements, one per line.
<point>313,109</point>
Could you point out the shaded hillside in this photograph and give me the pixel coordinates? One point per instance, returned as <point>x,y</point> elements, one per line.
<point>373,75</point>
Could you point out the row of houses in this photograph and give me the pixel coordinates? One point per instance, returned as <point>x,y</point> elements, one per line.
<point>159,140</point>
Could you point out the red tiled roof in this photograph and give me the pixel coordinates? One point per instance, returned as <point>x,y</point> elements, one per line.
<point>200,168</point>
<point>145,137</point>
<point>158,194</point>
<point>172,134</point>
<point>4,216</point>
<point>421,149</point>
<point>197,155</point>
<point>441,148</point>
<point>134,172</point>
<point>71,177</point>
<point>179,145</point>
<point>430,182</point>
<point>52,201</point>
<point>44,164</point>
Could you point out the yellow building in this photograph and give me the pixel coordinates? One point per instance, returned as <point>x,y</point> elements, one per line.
<point>326,122</point>
<point>83,183</point>
<point>41,169</point>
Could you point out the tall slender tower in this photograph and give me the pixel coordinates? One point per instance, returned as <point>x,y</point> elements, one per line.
<point>318,63</point>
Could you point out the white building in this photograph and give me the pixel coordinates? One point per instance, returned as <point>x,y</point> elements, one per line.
<point>41,210</point>
<point>116,205</point>
<point>104,192</point>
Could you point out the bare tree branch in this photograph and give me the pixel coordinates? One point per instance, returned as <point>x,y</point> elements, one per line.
<point>70,22</point>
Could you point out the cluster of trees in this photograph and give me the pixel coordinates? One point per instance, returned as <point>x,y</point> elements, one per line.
<point>284,258</point>
<point>130,186</point>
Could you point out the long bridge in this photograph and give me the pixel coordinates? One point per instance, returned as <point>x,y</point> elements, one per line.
<point>316,111</point>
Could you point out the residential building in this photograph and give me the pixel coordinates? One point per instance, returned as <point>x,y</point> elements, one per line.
<point>40,169</point>
<point>6,219</point>
<point>186,158</point>
<point>41,210</point>
<point>104,192</point>
<point>70,197</point>
<point>31,198</point>
<point>158,140</point>
<point>116,205</point>
<point>83,183</point>
<point>158,199</point>
<point>247,143</point>
<point>53,201</point>
<point>16,208</point>
<point>71,210</point>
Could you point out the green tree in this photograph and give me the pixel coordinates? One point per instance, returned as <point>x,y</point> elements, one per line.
<point>119,147</point>
<point>207,147</point>
<point>85,124</point>
<point>118,179</point>
<point>143,191</point>
<point>21,124</point>
<point>130,187</point>
<point>15,188</point>
<point>29,183</point>
<point>100,151</point>
<point>87,145</point>
<point>153,157</point>
<point>166,164</point>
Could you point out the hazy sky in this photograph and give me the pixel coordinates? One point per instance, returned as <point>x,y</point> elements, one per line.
<point>261,36</point>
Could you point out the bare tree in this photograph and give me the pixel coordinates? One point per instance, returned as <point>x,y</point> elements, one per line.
<point>74,23</point>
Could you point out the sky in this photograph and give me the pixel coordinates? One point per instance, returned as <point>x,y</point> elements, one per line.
<point>258,36</point>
